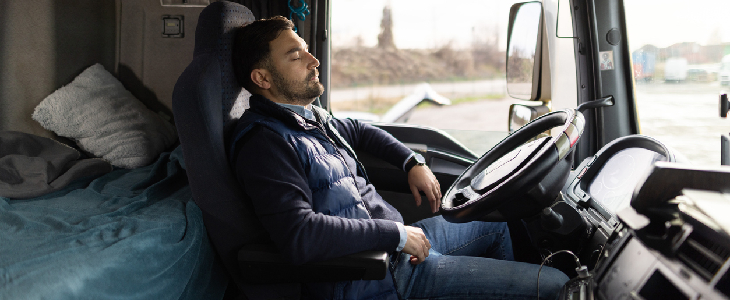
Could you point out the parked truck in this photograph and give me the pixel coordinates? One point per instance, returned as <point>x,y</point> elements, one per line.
<point>675,70</point>
<point>643,65</point>
<point>724,73</point>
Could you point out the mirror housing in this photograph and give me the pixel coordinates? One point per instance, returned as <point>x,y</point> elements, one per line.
<point>521,114</point>
<point>524,50</point>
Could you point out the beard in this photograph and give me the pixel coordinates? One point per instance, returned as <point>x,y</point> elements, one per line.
<point>297,92</point>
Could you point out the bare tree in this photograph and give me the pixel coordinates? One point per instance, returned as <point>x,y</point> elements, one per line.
<point>385,38</point>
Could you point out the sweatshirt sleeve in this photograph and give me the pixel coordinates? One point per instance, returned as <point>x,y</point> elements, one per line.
<point>378,142</point>
<point>272,176</point>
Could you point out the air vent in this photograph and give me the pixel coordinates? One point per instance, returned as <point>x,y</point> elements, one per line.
<point>703,255</point>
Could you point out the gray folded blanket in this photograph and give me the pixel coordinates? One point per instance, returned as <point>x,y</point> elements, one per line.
<point>32,166</point>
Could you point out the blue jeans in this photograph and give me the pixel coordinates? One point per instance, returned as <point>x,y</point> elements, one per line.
<point>471,261</point>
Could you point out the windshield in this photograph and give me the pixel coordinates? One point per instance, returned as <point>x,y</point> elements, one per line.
<point>681,60</point>
<point>384,51</point>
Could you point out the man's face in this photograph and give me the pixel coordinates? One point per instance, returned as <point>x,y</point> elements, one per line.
<point>294,75</point>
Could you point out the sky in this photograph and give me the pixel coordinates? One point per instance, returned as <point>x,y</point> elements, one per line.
<point>430,23</point>
<point>663,23</point>
<point>419,23</point>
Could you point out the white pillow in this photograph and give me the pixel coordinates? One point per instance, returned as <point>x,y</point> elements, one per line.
<point>106,120</point>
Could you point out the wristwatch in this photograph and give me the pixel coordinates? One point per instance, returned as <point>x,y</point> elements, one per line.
<point>416,160</point>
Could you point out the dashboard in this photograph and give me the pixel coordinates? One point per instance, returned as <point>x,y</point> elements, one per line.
<point>600,187</point>
<point>672,240</point>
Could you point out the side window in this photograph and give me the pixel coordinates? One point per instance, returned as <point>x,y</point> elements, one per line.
<point>385,51</point>
<point>680,52</point>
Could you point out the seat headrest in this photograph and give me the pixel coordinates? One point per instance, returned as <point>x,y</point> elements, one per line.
<point>214,34</point>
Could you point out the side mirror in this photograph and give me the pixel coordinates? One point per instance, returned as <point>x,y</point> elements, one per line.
<point>521,114</point>
<point>524,51</point>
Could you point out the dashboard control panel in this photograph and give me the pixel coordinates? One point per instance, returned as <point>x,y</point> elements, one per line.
<point>654,229</point>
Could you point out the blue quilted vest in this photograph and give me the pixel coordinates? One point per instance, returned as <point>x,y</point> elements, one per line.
<point>334,191</point>
<point>325,167</point>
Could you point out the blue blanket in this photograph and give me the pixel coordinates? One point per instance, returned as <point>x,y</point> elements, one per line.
<point>129,234</point>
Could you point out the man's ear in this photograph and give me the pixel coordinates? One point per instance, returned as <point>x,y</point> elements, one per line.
<point>261,78</point>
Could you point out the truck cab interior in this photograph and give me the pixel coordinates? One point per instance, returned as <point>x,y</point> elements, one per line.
<point>112,156</point>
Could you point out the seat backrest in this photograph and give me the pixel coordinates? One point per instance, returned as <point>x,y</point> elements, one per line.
<point>205,100</point>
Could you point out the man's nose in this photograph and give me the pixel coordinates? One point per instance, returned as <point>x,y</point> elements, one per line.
<point>314,61</point>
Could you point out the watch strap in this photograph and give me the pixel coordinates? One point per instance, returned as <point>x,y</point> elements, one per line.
<point>413,161</point>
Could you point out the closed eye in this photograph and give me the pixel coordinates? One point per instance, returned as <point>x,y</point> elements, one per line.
<point>296,51</point>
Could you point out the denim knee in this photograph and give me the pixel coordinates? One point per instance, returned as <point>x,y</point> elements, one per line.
<point>551,282</point>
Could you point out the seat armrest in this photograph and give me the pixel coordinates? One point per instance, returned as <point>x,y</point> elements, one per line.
<point>261,264</point>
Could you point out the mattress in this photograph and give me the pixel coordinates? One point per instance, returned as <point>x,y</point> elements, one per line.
<point>130,233</point>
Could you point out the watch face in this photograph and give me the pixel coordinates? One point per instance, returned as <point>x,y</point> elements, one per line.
<point>419,159</point>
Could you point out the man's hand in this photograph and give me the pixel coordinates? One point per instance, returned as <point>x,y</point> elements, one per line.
<point>417,245</point>
<point>420,178</point>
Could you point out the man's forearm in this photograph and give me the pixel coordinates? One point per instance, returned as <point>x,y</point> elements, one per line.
<point>373,140</point>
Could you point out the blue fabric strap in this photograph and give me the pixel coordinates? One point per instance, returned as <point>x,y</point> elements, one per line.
<point>301,12</point>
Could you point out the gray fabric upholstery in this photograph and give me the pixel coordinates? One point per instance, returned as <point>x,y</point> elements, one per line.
<point>219,30</point>
<point>43,46</point>
<point>206,87</point>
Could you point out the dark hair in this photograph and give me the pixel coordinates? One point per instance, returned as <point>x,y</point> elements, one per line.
<point>251,47</point>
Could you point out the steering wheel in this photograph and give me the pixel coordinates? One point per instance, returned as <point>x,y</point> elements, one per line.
<point>521,175</point>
